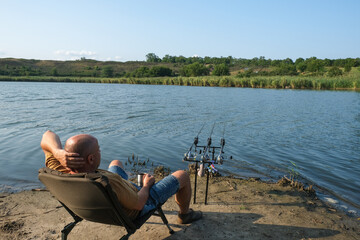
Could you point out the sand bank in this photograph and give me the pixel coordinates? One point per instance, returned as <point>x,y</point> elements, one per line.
<point>236,209</point>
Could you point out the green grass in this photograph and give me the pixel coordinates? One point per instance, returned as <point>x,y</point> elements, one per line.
<point>350,81</point>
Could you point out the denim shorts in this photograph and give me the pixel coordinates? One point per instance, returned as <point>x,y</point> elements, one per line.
<point>160,192</point>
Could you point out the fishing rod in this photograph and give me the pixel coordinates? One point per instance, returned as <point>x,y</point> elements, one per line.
<point>220,157</point>
<point>208,150</point>
<point>205,157</point>
<point>189,155</point>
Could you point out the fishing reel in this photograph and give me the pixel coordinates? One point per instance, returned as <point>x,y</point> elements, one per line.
<point>220,158</point>
<point>205,157</point>
<point>189,156</point>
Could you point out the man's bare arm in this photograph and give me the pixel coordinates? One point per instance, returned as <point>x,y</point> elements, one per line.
<point>50,142</point>
<point>143,194</point>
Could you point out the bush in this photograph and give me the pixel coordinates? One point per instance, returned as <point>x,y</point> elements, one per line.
<point>315,65</point>
<point>159,71</point>
<point>347,68</point>
<point>221,70</point>
<point>334,71</point>
<point>285,69</point>
<point>301,66</point>
<point>108,71</point>
<point>194,70</point>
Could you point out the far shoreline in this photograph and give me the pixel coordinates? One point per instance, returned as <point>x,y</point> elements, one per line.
<point>273,82</point>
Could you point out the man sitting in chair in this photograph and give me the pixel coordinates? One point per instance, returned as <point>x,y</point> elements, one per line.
<point>82,154</point>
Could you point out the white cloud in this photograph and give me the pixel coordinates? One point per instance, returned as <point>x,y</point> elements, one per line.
<point>116,58</point>
<point>75,55</point>
<point>72,54</point>
<point>195,55</point>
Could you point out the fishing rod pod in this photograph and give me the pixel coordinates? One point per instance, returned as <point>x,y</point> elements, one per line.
<point>207,156</point>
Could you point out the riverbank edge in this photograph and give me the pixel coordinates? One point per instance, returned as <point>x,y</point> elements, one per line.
<point>251,208</point>
<point>347,83</point>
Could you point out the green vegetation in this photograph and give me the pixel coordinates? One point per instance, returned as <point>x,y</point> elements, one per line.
<point>334,71</point>
<point>156,71</point>
<point>350,81</point>
<point>194,69</point>
<point>221,70</point>
<point>311,73</point>
<point>294,173</point>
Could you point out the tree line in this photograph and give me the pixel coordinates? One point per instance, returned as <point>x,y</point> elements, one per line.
<point>170,66</point>
<point>254,62</point>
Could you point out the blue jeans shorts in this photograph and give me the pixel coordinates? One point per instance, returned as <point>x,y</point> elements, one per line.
<point>160,192</point>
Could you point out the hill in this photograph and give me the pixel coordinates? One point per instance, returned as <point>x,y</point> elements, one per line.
<point>78,68</point>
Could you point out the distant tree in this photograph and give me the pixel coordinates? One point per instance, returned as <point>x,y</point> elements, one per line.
<point>151,57</point>
<point>286,69</point>
<point>299,60</point>
<point>94,73</point>
<point>339,62</point>
<point>301,66</point>
<point>347,67</point>
<point>288,61</point>
<point>221,70</point>
<point>263,62</point>
<point>334,71</point>
<point>140,72</point>
<point>327,62</point>
<point>314,65</point>
<point>194,70</point>
<point>107,71</point>
<point>248,72</point>
<point>207,60</point>
<point>357,62</point>
<point>168,59</point>
<point>180,59</point>
<point>54,72</point>
<point>255,61</point>
<point>276,63</point>
<point>159,71</point>
<point>351,62</point>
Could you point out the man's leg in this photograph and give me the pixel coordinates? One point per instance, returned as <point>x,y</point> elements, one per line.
<point>183,196</point>
<point>117,167</point>
<point>116,163</point>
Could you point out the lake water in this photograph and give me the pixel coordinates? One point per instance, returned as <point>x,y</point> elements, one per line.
<point>266,131</point>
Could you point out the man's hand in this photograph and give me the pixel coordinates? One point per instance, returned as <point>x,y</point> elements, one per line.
<point>69,160</point>
<point>148,180</point>
<point>143,194</point>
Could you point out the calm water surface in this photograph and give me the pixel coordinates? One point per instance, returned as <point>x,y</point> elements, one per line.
<point>266,131</point>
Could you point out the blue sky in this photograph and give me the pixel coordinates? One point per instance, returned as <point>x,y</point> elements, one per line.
<point>128,30</point>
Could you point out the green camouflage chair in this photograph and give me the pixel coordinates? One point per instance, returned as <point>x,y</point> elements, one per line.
<point>89,196</point>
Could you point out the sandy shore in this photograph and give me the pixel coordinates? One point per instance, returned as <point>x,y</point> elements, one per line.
<point>236,209</point>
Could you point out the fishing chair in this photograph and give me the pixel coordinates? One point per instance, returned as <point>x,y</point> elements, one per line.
<point>89,196</point>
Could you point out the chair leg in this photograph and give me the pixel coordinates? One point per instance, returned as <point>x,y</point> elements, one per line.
<point>67,229</point>
<point>163,217</point>
<point>125,237</point>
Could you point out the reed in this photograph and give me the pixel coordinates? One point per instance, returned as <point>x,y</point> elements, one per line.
<point>350,81</point>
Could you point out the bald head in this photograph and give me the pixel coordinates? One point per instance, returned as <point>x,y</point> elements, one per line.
<point>83,144</point>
